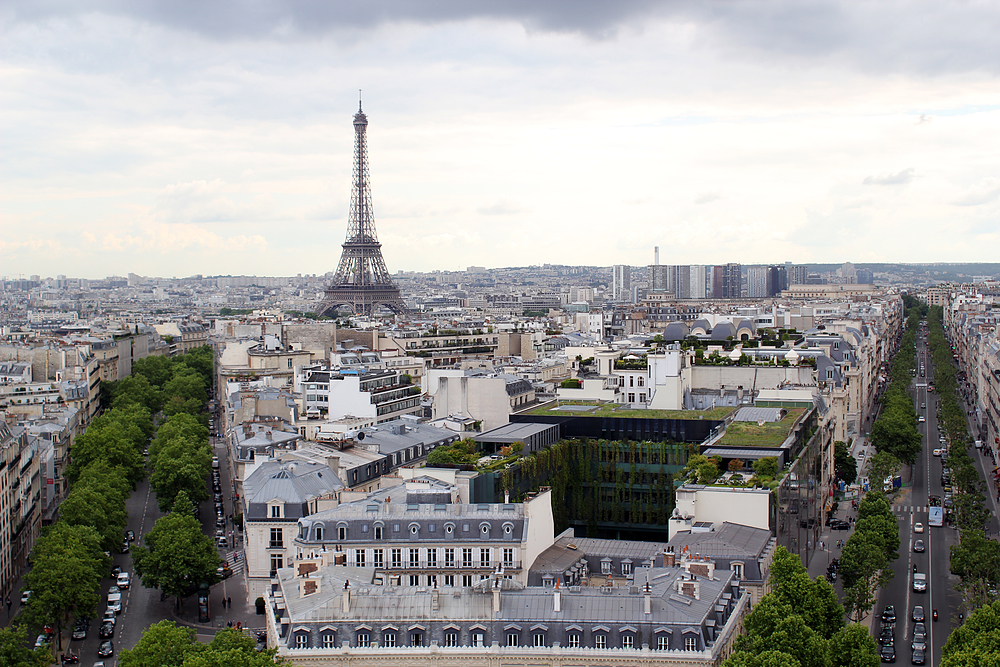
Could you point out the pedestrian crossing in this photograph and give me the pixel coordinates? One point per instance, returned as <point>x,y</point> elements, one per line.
<point>903,509</point>
<point>236,561</point>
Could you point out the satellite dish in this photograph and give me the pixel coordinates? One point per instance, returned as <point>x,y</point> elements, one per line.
<point>361,435</point>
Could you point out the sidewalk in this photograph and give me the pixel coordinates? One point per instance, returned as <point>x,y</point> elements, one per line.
<point>234,588</point>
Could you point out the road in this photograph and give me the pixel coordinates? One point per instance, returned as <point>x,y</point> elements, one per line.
<point>142,607</point>
<point>911,507</point>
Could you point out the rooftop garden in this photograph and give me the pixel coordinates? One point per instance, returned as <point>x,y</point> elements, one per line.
<point>616,410</point>
<point>770,434</point>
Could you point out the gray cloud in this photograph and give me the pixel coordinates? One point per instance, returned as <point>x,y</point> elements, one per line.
<point>899,178</point>
<point>902,36</point>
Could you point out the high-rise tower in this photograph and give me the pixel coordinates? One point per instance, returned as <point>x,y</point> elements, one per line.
<point>362,282</point>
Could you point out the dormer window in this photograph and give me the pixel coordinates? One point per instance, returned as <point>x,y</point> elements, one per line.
<point>275,511</point>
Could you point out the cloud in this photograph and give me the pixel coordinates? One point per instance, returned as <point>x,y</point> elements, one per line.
<point>924,119</point>
<point>502,207</point>
<point>899,178</point>
<point>983,192</point>
<point>209,201</point>
<point>707,198</point>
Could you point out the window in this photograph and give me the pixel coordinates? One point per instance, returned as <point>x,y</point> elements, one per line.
<point>606,567</point>
<point>432,580</point>
<point>508,558</point>
<point>377,555</point>
<point>414,529</point>
<point>642,398</point>
<point>478,639</point>
<point>363,639</point>
<point>485,557</point>
<point>690,643</point>
<point>302,641</point>
<point>378,532</point>
<point>574,640</point>
<point>485,529</point>
<point>829,373</point>
<point>466,580</point>
<point>414,579</point>
<point>601,641</point>
<point>275,511</point>
<point>319,533</point>
<point>397,558</point>
<point>416,639</point>
<point>277,539</point>
<point>395,527</point>
<point>341,533</point>
<point>538,639</point>
<point>738,570</point>
<point>289,363</point>
<point>662,643</point>
<point>275,562</point>
<point>329,640</point>
<point>451,639</point>
<point>631,397</point>
<point>628,641</point>
<point>359,558</point>
<point>414,557</point>
<point>466,557</point>
<point>449,557</point>
<point>640,382</point>
<point>511,639</point>
<point>389,639</point>
<point>449,580</point>
<point>626,569</point>
<point>432,558</point>
<point>631,381</point>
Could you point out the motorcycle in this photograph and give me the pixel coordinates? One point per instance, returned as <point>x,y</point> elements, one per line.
<point>934,614</point>
<point>70,659</point>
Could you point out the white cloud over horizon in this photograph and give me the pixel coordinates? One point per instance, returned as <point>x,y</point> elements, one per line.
<point>181,138</point>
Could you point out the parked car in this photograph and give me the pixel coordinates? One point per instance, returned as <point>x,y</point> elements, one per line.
<point>80,629</point>
<point>918,613</point>
<point>919,657</point>
<point>107,649</point>
<point>107,631</point>
<point>25,596</point>
<point>888,653</point>
<point>124,579</point>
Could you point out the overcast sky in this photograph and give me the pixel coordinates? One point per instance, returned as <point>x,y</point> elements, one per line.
<point>174,137</point>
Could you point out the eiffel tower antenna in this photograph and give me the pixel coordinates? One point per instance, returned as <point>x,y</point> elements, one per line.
<point>362,281</point>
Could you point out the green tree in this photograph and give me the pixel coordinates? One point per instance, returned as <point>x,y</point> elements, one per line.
<point>156,369</point>
<point>976,643</point>
<point>135,389</point>
<point>845,465</point>
<point>14,651</point>
<point>773,625</point>
<point>766,467</point>
<point>700,469</point>
<point>180,466</point>
<point>815,600</point>
<point>896,432</point>
<point>976,559</point>
<point>176,557</point>
<point>164,644</point>
<point>442,456</point>
<point>881,465</point>
<point>765,659</point>
<point>67,570</point>
<point>864,567</point>
<point>232,648</point>
<point>111,446</point>
<point>86,506</point>
<point>853,646</point>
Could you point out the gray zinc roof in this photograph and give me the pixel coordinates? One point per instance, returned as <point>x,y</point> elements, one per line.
<point>290,482</point>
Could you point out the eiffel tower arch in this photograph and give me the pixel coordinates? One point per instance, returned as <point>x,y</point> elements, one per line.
<point>362,282</point>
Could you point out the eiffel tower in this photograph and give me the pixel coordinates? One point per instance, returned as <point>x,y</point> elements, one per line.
<point>362,282</point>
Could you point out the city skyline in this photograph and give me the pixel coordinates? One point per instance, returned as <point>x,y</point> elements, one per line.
<point>155,139</point>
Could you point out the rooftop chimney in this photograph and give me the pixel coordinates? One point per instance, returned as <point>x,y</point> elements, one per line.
<point>656,255</point>
<point>647,600</point>
<point>557,599</point>
<point>347,597</point>
<point>496,597</point>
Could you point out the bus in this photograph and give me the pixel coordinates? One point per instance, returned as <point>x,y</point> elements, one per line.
<point>935,517</point>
